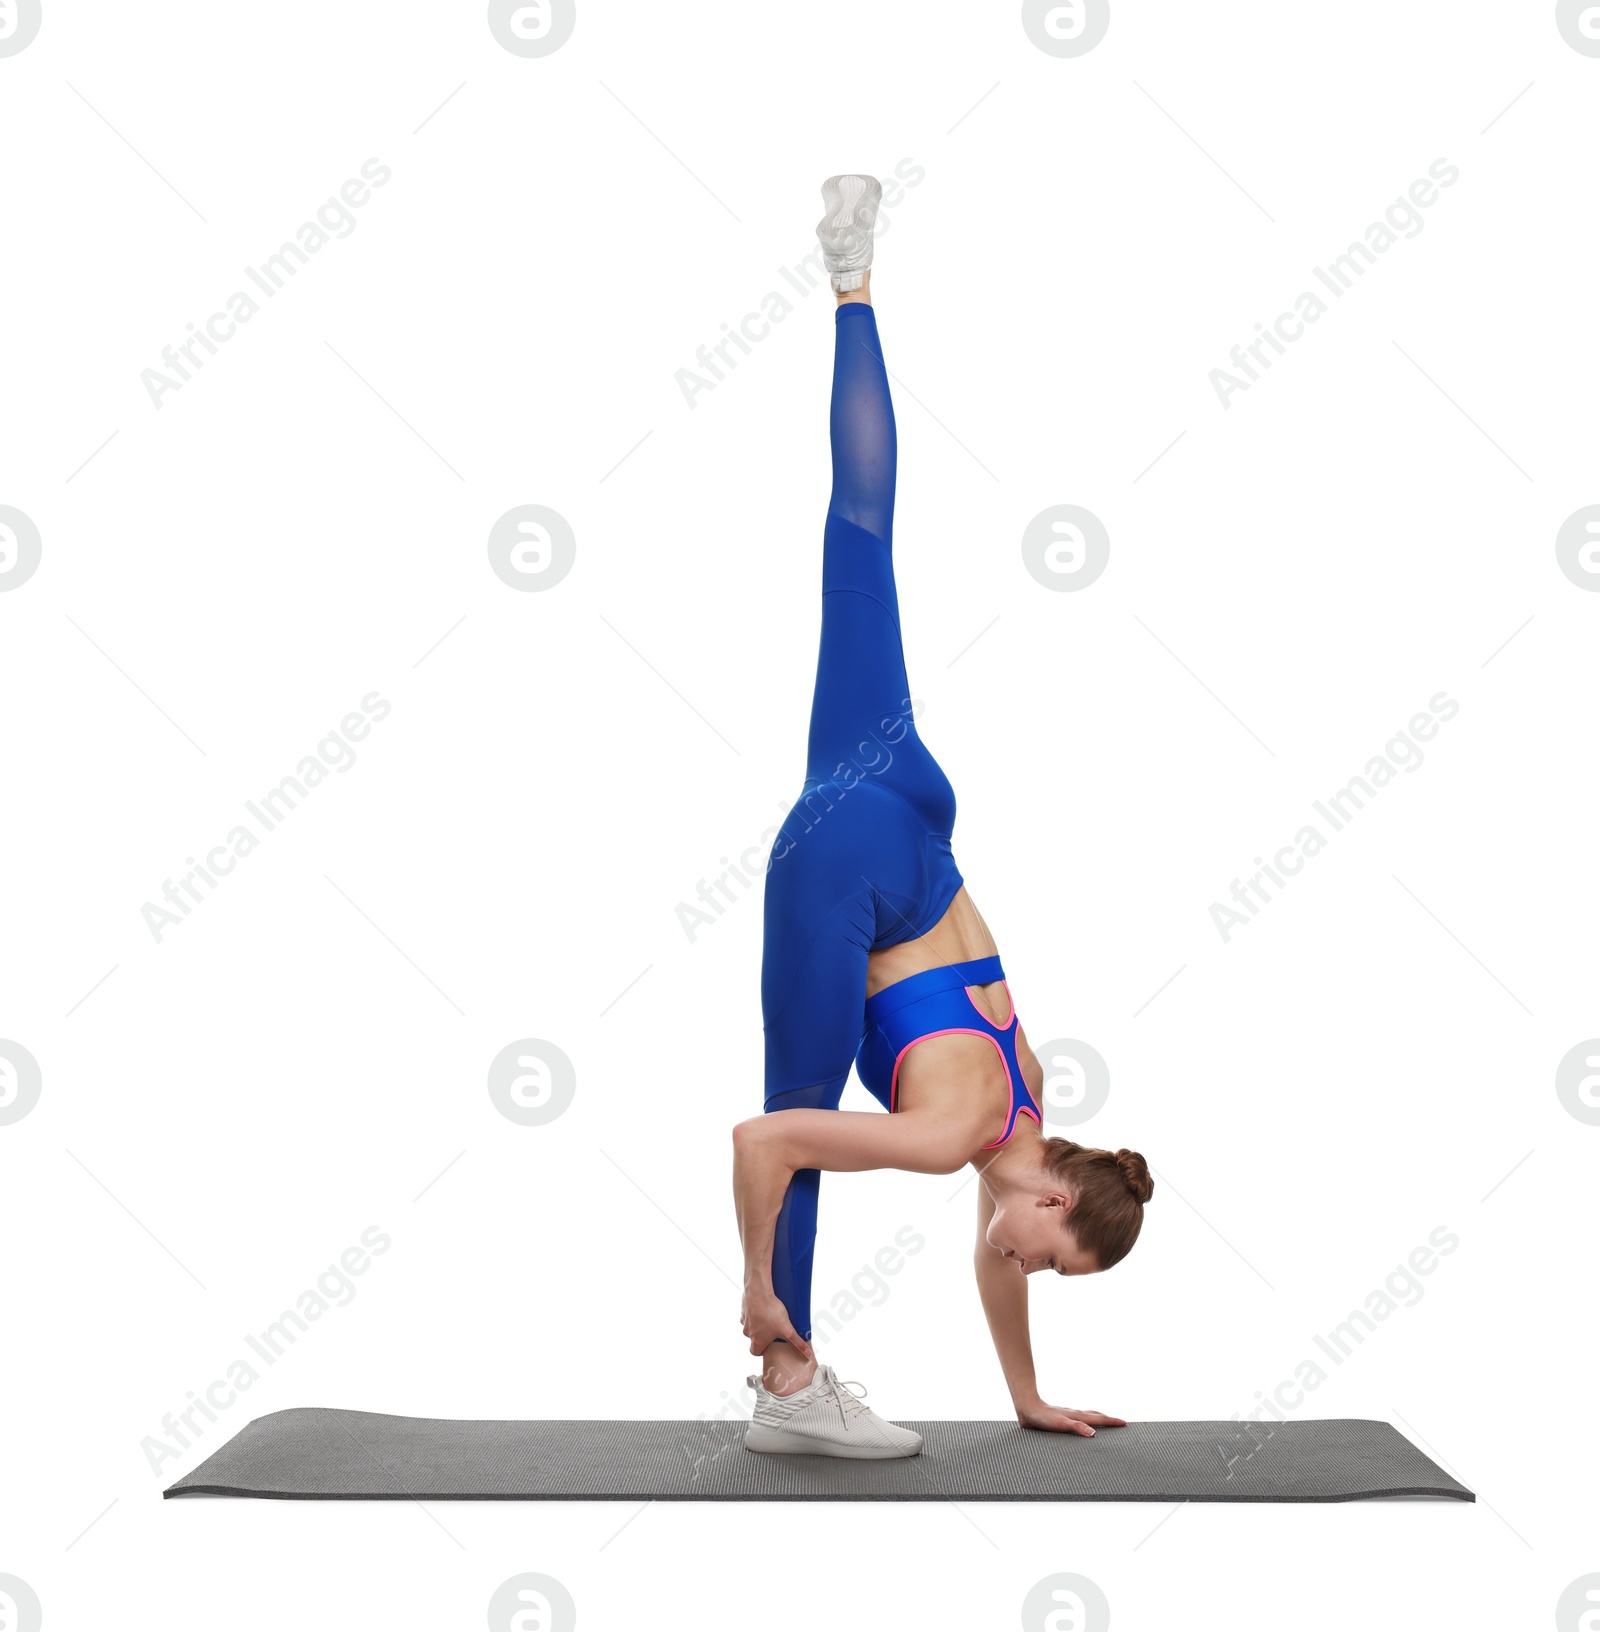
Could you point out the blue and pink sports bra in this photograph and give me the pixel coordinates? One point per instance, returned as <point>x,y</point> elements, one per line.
<point>936,1003</point>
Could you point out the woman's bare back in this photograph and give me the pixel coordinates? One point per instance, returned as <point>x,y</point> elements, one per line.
<point>960,936</point>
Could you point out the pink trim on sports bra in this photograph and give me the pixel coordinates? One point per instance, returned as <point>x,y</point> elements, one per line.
<point>1012,1112</point>
<point>1011,1014</point>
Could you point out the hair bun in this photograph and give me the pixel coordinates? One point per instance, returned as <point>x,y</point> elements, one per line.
<point>1137,1174</point>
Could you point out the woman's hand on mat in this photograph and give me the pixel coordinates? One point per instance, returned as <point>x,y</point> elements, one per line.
<point>766,1322</point>
<point>1063,1420</point>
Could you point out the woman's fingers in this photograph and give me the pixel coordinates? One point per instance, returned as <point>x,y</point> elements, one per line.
<point>763,1334</point>
<point>1064,1420</point>
<point>787,1334</point>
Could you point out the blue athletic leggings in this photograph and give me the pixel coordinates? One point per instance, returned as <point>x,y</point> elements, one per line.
<point>864,860</point>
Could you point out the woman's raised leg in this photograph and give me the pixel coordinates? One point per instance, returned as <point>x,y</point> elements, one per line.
<point>861,687</point>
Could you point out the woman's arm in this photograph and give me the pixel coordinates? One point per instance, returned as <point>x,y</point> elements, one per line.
<point>769,1150</point>
<point>761,1174</point>
<point>1003,1289</point>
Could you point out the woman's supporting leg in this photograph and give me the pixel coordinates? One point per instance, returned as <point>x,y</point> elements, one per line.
<point>794,1245</point>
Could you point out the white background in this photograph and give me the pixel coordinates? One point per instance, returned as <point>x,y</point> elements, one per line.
<point>305,522</point>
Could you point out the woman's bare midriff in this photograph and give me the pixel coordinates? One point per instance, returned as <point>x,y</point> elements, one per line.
<point>960,936</point>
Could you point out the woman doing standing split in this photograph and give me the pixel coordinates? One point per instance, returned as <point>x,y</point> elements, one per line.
<point>875,954</point>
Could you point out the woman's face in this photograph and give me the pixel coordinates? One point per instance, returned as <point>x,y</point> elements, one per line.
<point>1035,1233</point>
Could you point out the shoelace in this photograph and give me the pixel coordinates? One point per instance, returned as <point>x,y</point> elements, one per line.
<point>849,1404</point>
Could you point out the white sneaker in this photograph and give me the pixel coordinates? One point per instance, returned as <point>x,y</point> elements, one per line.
<point>845,232</point>
<point>825,1419</point>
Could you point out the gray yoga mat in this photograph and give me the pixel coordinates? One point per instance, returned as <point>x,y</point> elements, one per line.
<point>313,1454</point>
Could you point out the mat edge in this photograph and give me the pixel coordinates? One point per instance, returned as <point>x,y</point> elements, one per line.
<point>1419,1492</point>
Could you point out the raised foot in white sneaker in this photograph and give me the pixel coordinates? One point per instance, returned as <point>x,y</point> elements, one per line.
<point>845,232</point>
<point>826,1418</point>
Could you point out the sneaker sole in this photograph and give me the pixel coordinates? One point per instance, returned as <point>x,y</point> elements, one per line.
<point>842,216</point>
<point>759,1437</point>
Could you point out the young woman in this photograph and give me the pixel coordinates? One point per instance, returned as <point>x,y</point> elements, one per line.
<point>874,953</point>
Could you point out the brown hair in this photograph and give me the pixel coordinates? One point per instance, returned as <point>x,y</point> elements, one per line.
<point>1109,1189</point>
